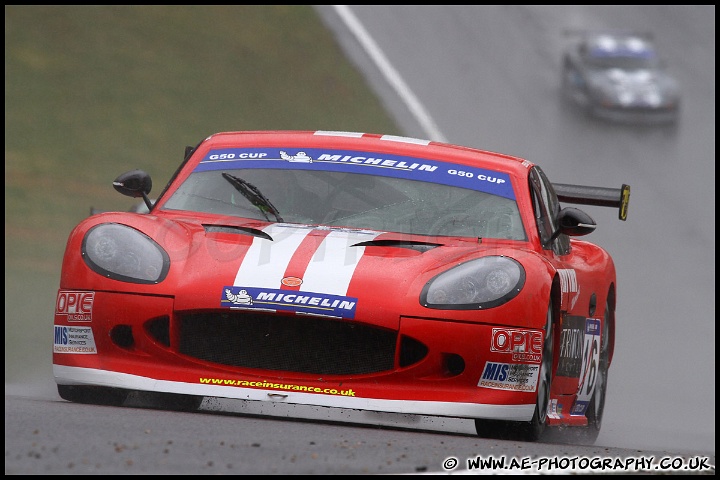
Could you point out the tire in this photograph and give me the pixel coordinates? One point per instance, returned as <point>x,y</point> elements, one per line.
<point>117,397</point>
<point>533,430</point>
<point>93,395</point>
<point>596,407</point>
<point>169,401</point>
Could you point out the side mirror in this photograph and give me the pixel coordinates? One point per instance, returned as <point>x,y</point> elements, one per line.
<point>135,183</point>
<point>574,222</point>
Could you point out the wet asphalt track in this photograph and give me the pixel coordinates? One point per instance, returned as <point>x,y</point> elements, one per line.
<point>488,77</point>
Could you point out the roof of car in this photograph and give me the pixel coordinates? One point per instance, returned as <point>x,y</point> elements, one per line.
<point>609,45</point>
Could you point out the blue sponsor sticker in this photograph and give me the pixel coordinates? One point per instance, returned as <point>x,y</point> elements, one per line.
<point>388,165</point>
<point>592,326</point>
<point>289,300</point>
<point>521,377</point>
<point>579,408</point>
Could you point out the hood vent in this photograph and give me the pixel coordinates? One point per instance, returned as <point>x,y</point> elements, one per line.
<point>421,247</point>
<point>238,230</point>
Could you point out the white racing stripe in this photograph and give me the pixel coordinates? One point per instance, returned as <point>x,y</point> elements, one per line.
<point>330,269</point>
<point>265,263</point>
<point>333,264</point>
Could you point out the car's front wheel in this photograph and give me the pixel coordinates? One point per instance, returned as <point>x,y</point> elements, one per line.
<point>528,431</point>
<point>167,401</point>
<point>596,407</point>
<point>93,395</point>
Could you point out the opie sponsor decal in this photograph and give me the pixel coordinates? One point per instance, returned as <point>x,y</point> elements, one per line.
<point>523,345</point>
<point>516,377</point>
<point>292,300</point>
<point>74,340</point>
<point>75,306</point>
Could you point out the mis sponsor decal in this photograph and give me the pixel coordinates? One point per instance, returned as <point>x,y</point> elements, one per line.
<point>516,377</point>
<point>74,340</point>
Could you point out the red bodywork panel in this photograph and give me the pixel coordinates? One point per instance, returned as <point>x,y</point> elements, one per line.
<point>160,336</point>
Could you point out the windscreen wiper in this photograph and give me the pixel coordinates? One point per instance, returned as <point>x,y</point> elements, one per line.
<point>253,194</point>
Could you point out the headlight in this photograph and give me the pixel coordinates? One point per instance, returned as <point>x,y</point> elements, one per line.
<point>123,253</point>
<point>482,283</point>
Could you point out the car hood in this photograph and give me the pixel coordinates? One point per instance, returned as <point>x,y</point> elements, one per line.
<point>635,80</point>
<point>335,272</point>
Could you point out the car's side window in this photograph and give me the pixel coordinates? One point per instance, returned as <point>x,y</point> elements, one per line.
<point>546,207</point>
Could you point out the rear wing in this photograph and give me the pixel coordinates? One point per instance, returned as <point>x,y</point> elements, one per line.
<point>604,197</point>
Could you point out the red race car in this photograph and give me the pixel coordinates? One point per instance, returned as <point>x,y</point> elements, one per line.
<point>338,269</point>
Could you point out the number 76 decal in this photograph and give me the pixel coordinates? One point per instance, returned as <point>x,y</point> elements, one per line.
<point>588,370</point>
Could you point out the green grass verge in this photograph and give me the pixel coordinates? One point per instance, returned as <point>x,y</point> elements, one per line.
<point>93,91</point>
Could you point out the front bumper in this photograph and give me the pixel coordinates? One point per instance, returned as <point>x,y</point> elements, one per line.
<point>427,366</point>
<point>638,114</point>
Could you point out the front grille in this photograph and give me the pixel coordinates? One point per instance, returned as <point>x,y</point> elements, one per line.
<point>290,343</point>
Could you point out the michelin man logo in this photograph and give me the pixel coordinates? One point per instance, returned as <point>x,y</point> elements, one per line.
<point>242,297</point>
<point>300,157</point>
